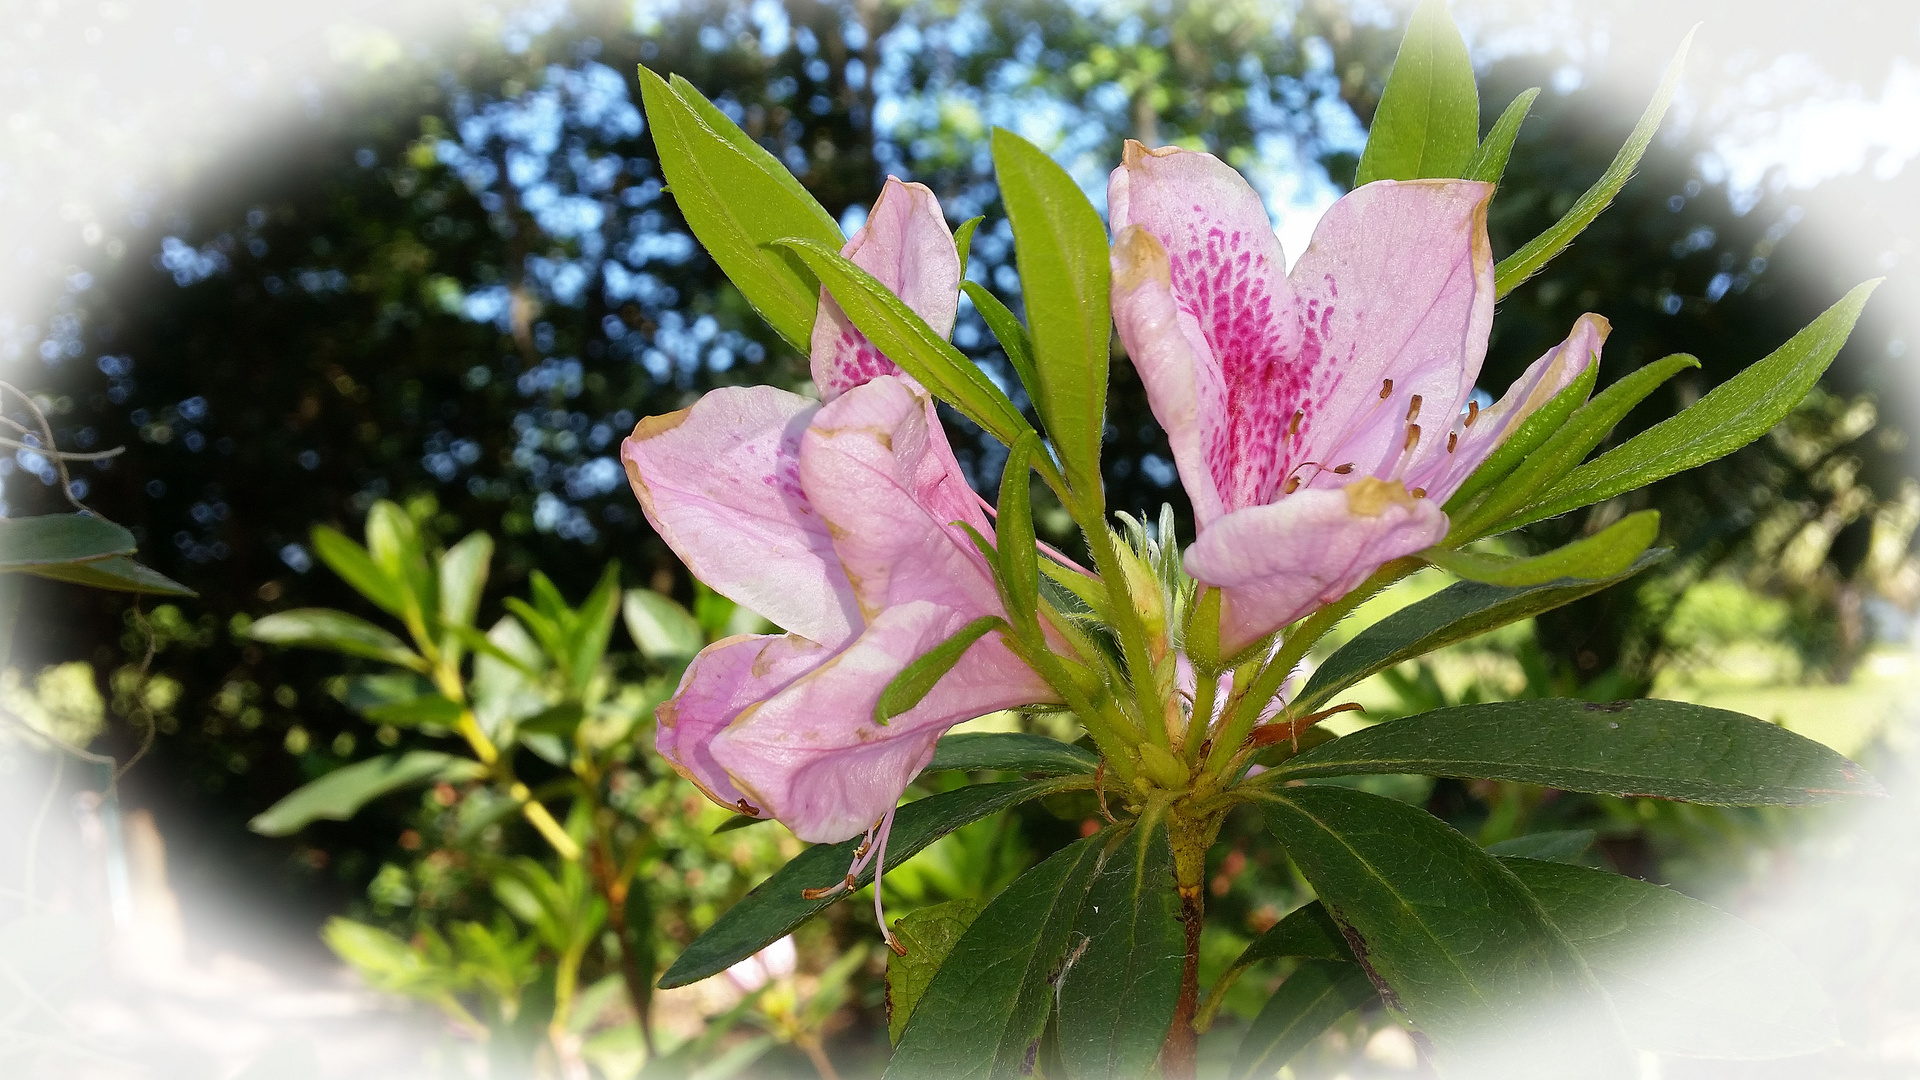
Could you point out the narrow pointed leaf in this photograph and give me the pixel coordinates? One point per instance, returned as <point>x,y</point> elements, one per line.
<point>1686,978</point>
<point>1018,550</point>
<point>1307,932</point>
<point>918,678</point>
<point>1562,846</point>
<point>1536,253</point>
<point>906,339</point>
<point>1061,246</point>
<point>1454,614</point>
<point>775,906</point>
<point>59,538</point>
<point>983,1013</point>
<point>463,576</point>
<point>116,572</point>
<point>356,567</point>
<point>412,712</point>
<point>1008,332</point>
<point>1117,997</point>
<point>1311,1000</point>
<point>1729,417</point>
<point>1664,749</point>
<point>1533,431</point>
<point>1489,162</point>
<point>1601,555</point>
<point>1428,121</point>
<point>1011,751</point>
<point>722,125</point>
<point>325,628</point>
<point>928,935</point>
<point>341,793</point>
<point>594,627</point>
<point>1452,939</point>
<point>737,207</point>
<point>963,242</point>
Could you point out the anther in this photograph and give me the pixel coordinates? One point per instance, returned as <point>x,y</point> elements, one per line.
<point>1413,409</point>
<point>1343,470</point>
<point>1386,387</point>
<point>747,808</point>
<point>1453,439</point>
<point>1418,493</point>
<point>1292,485</point>
<point>1413,436</point>
<point>1473,410</point>
<point>1293,426</point>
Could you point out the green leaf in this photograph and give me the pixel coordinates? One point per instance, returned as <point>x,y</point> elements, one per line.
<point>593,628</point>
<point>737,821</point>
<point>1455,613</point>
<point>394,542</point>
<point>1428,121</point>
<point>425,709</point>
<point>737,202</point>
<point>1011,751</point>
<point>1602,555</point>
<point>1564,845</point>
<point>663,630</point>
<point>722,125</point>
<point>1456,943</point>
<point>917,679</point>
<point>1018,553</point>
<point>1558,455</point>
<point>1533,431</point>
<point>963,241</point>
<point>1117,997</point>
<point>325,628</point>
<point>1008,332</point>
<point>983,1013</point>
<point>1311,1000</point>
<point>463,576</point>
<point>27,542</point>
<point>906,339</point>
<point>775,906</point>
<point>928,935</point>
<point>356,567</point>
<point>1061,247</point>
<point>1490,161</point>
<point>1536,253</point>
<point>1729,417</point>
<point>1307,932</point>
<point>341,793</point>
<point>116,572</point>
<point>1685,977</point>
<point>1664,749</point>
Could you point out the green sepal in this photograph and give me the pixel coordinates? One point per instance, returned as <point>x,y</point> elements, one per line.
<point>1489,162</point>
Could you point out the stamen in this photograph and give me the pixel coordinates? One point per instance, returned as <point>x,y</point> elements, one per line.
<point>1413,409</point>
<point>1342,470</point>
<point>1473,411</point>
<point>860,856</point>
<point>747,808</point>
<point>1293,481</point>
<point>1453,439</point>
<point>880,871</point>
<point>1293,426</point>
<point>1386,387</point>
<point>1292,485</point>
<point>1418,493</point>
<point>1413,437</point>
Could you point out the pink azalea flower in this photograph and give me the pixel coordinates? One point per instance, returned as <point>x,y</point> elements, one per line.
<point>1320,418</point>
<point>836,520</point>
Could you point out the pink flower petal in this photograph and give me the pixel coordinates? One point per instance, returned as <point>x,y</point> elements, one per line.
<point>812,756</point>
<point>720,483</point>
<point>1276,563</point>
<point>907,245</point>
<point>727,677</point>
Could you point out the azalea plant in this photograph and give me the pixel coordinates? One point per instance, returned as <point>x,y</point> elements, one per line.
<point>1326,428</point>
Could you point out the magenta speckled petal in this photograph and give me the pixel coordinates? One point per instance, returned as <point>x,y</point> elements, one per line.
<point>1276,563</point>
<point>720,483</point>
<point>812,756</point>
<point>908,247</point>
<point>727,677</point>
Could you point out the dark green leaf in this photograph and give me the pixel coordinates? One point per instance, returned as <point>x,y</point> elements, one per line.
<point>662,629</point>
<point>1563,450</point>
<point>1428,121</point>
<point>983,1013</point>
<point>775,906</point>
<point>341,793</point>
<point>395,544</point>
<point>737,203</point>
<point>1665,749</point>
<point>59,538</point>
<point>1602,555</point>
<point>1307,932</point>
<point>1008,332</point>
<point>1536,253</point>
<point>1456,613</point>
<point>1685,977</point>
<point>558,720</point>
<point>1564,845</point>
<point>1018,554</point>
<point>325,628</point>
<point>1729,417</point>
<point>1533,431</point>
<point>918,678</point>
<point>906,339</point>
<point>737,821</point>
<point>1311,1000</point>
<point>928,935</point>
<point>722,125</point>
<point>1117,995</point>
<point>1061,247</point>
<point>1011,751</point>
<point>350,561</point>
<point>116,572</point>
<point>1490,161</point>
<point>963,241</point>
<point>1469,957</point>
<point>639,939</point>
<point>426,709</point>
